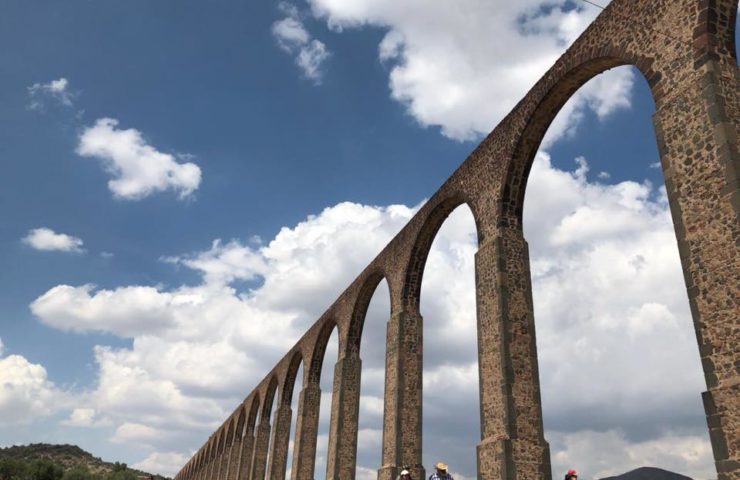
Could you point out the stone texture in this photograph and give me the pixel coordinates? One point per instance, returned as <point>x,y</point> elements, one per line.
<point>280,443</point>
<point>685,51</point>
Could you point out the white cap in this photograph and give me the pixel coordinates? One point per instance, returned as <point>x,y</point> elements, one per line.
<point>405,472</point>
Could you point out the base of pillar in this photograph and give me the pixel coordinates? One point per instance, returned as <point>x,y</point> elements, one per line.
<point>497,460</point>
<point>388,473</point>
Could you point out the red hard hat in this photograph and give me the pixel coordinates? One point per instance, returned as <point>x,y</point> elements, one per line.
<point>572,472</point>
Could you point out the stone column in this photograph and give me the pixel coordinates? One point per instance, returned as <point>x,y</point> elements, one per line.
<point>245,458</point>
<point>261,445</point>
<point>212,472</point>
<point>512,442</point>
<point>402,412</point>
<point>280,443</point>
<point>697,132</point>
<point>307,426</point>
<point>236,448</point>
<point>223,466</point>
<point>345,407</point>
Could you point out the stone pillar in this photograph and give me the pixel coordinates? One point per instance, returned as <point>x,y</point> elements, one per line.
<point>345,407</point>
<point>512,442</point>
<point>236,449</point>
<point>245,458</point>
<point>280,443</point>
<point>261,445</point>
<point>402,412</point>
<point>212,472</point>
<point>697,131</point>
<point>307,427</point>
<point>223,466</point>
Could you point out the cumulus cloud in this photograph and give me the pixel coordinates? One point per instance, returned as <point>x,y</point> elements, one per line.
<point>135,433</point>
<point>223,264</point>
<point>164,463</point>
<point>85,417</point>
<point>292,37</point>
<point>609,302</point>
<point>463,65</point>
<point>608,453</point>
<point>56,90</point>
<point>139,169</point>
<point>25,392</point>
<point>48,240</point>
<point>126,311</point>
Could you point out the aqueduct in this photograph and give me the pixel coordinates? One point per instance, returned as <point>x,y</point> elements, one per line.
<point>685,50</point>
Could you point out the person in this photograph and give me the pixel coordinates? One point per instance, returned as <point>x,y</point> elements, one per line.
<point>404,475</point>
<point>441,473</point>
<point>571,475</point>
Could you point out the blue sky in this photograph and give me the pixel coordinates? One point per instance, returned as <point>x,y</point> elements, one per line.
<point>136,135</point>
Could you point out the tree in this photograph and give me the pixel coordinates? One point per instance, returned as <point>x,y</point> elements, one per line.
<point>46,470</point>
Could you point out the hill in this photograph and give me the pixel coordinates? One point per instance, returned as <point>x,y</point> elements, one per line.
<point>649,473</point>
<point>41,461</point>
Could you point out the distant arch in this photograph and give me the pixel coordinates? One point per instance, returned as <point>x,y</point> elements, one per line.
<point>272,387</point>
<point>411,292</point>
<point>319,349</point>
<point>252,418</point>
<point>286,391</point>
<point>241,418</point>
<point>230,433</point>
<point>359,309</point>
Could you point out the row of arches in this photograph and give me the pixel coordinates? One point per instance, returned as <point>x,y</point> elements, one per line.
<point>692,75</point>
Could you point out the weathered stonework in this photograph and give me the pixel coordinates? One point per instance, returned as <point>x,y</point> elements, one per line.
<point>685,50</point>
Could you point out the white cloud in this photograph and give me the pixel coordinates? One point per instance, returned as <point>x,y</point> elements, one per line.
<point>292,37</point>
<point>609,301</point>
<point>85,417</point>
<point>604,454</point>
<point>48,240</point>
<point>463,65</point>
<point>163,463</point>
<point>223,264</point>
<point>135,433</point>
<point>56,90</point>
<point>126,311</point>
<point>25,392</point>
<point>139,169</point>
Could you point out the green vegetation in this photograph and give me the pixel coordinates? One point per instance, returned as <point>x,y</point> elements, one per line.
<point>62,462</point>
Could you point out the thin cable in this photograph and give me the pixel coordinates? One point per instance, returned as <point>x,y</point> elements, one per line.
<point>594,4</point>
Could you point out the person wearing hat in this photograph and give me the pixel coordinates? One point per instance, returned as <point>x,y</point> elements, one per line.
<point>571,475</point>
<point>441,473</point>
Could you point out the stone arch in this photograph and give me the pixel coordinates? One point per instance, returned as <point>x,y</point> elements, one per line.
<point>266,409</point>
<point>359,309</point>
<point>211,448</point>
<point>262,437</point>
<point>252,417</point>
<point>240,419</point>
<point>550,95</point>
<point>288,385</point>
<point>414,273</point>
<point>313,373</point>
<point>221,440</point>
<point>230,432</point>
